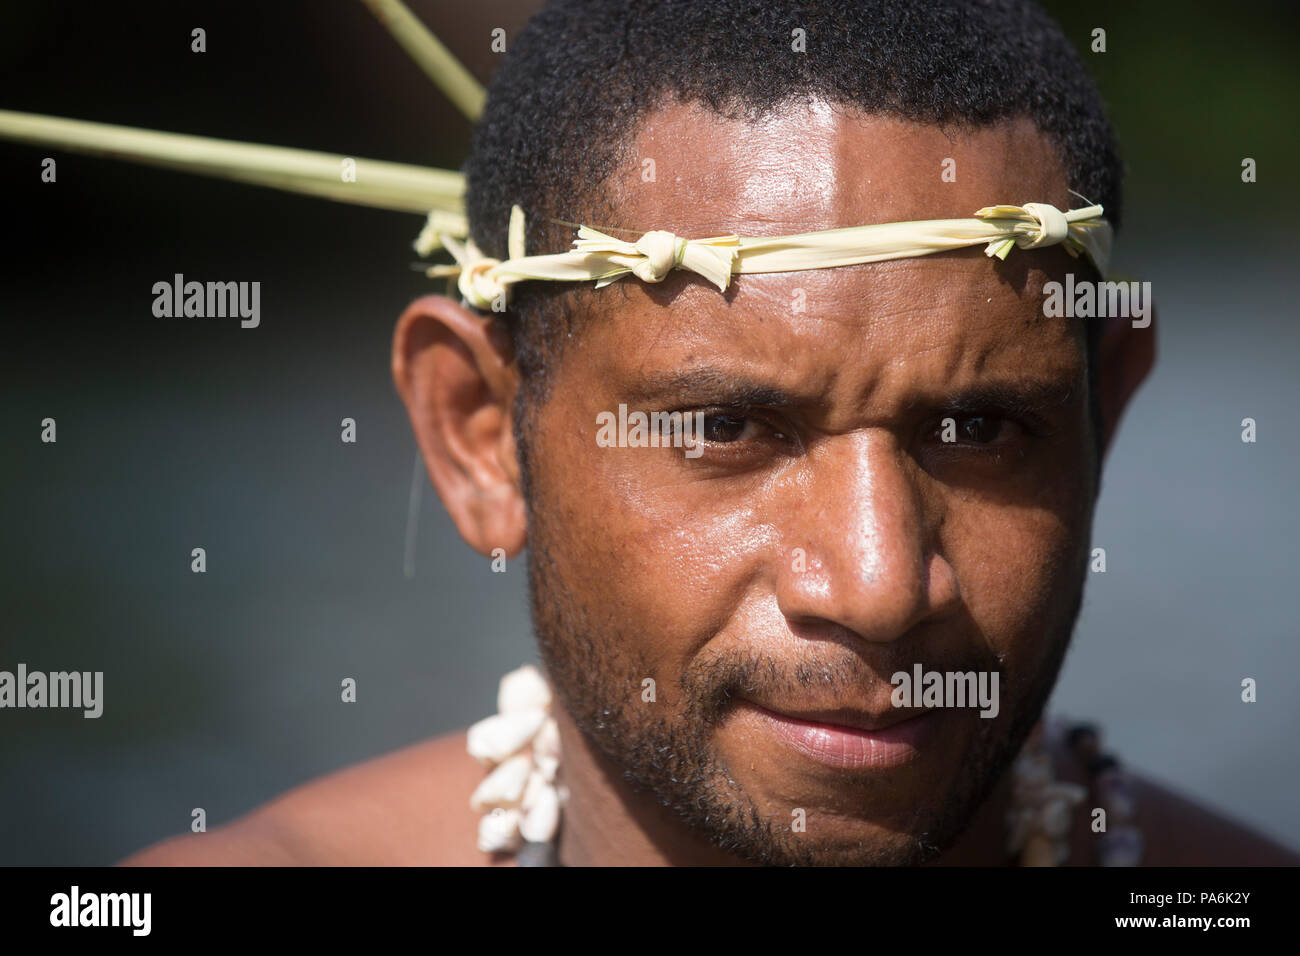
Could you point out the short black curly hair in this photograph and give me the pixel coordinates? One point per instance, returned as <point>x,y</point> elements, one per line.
<point>567,99</point>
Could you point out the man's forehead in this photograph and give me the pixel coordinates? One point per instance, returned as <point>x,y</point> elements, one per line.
<point>808,167</point>
<point>944,318</point>
<point>811,165</point>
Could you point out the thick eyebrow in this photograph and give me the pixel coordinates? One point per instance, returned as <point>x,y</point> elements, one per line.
<point>1029,396</point>
<point>711,386</point>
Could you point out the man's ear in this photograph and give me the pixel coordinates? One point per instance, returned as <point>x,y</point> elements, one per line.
<point>455,373</point>
<point>1125,357</point>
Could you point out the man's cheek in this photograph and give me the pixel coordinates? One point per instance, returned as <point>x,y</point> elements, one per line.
<point>673,577</point>
<point>1017,570</point>
<point>694,567</point>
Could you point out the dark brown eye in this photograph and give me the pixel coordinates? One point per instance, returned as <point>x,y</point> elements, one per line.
<point>980,429</point>
<point>722,428</point>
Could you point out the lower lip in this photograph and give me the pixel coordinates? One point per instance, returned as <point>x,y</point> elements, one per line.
<point>848,747</point>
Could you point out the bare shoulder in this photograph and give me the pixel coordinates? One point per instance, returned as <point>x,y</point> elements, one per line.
<point>406,808</point>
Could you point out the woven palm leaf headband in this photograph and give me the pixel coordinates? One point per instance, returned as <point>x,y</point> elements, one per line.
<point>485,282</point>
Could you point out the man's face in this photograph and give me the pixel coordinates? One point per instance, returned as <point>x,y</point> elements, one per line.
<point>827,536</point>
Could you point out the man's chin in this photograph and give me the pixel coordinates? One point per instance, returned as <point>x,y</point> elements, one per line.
<point>783,833</point>
<point>772,838</point>
<point>898,797</point>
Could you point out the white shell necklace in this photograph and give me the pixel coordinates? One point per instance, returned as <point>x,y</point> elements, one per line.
<point>519,799</point>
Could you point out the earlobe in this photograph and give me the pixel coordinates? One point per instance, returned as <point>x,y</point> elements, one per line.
<point>455,374</point>
<point>1126,355</point>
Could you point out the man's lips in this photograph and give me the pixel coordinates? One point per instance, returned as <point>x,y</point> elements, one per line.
<point>849,739</point>
<point>846,718</point>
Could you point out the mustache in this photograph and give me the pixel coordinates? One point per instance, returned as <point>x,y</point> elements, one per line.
<point>712,688</point>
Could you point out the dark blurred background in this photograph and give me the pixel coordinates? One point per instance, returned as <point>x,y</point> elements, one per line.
<point>222,689</point>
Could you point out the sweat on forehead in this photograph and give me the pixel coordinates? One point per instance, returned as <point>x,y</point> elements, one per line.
<point>959,306</point>
<point>809,166</point>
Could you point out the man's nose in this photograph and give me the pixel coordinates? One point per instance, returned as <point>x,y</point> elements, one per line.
<point>857,548</point>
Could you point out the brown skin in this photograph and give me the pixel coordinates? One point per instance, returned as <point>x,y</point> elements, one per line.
<point>649,564</point>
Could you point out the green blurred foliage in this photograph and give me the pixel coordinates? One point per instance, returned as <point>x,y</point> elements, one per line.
<point>1192,88</point>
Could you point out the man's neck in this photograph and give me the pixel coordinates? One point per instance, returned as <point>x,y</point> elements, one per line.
<point>607,823</point>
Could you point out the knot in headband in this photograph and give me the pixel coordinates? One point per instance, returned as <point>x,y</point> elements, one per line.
<point>663,252</point>
<point>1053,226</point>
